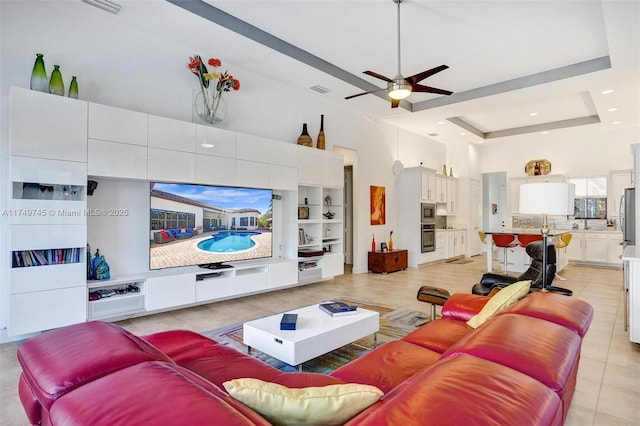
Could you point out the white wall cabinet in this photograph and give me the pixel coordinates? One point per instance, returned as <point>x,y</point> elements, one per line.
<point>428,188</point>
<point>112,124</point>
<point>61,130</point>
<point>50,164</point>
<point>171,134</point>
<point>118,160</point>
<point>214,170</point>
<point>169,165</point>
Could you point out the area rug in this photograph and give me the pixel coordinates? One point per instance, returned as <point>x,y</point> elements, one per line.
<point>394,324</point>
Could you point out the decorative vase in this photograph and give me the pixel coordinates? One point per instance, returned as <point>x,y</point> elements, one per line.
<point>73,88</point>
<point>321,143</point>
<point>210,111</point>
<point>373,243</point>
<point>56,85</point>
<point>451,171</point>
<point>444,169</point>
<point>304,138</point>
<point>390,242</point>
<point>39,79</point>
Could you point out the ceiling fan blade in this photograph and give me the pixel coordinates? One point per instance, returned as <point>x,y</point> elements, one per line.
<point>395,103</point>
<point>424,74</point>
<point>363,93</point>
<point>421,88</point>
<point>380,76</point>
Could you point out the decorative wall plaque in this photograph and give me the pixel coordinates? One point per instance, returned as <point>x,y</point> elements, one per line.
<point>537,167</point>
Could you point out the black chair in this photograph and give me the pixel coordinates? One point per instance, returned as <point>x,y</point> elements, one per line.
<point>490,280</point>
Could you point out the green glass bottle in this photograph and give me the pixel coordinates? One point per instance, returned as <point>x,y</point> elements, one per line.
<point>73,88</point>
<point>56,85</point>
<point>39,79</point>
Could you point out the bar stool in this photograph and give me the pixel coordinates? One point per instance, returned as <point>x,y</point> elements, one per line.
<point>505,241</point>
<point>525,239</point>
<point>565,239</point>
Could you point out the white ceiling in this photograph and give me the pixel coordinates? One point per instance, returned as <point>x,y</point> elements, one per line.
<point>507,59</point>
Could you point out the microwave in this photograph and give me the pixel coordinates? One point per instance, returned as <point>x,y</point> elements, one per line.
<point>428,213</point>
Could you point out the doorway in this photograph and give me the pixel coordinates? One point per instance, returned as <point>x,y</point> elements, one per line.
<point>494,201</point>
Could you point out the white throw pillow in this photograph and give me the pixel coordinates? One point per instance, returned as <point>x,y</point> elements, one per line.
<point>325,405</point>
<point>505,297</point>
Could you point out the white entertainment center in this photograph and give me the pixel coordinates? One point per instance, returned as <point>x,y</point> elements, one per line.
<point>57,144</point>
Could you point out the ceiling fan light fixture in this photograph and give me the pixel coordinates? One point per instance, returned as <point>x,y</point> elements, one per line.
<point>398,90</point>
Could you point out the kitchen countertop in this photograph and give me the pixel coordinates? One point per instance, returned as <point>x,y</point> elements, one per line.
<point>631,253</point>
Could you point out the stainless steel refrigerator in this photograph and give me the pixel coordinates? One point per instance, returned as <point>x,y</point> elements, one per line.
<point>628,217</point>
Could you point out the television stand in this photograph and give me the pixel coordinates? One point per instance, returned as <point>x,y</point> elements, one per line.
<point>215,266</point>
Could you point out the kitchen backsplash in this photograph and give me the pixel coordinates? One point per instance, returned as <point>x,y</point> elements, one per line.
<point>561,222</point>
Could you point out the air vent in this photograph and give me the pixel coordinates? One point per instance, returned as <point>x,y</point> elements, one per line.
<point>106,5</point>
<point>433,135</point>
<point>319,89</point>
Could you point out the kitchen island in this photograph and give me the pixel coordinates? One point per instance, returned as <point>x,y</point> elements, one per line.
<point>518,259</point>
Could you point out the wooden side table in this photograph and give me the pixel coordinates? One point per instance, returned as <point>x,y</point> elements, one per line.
<point>388,261</point>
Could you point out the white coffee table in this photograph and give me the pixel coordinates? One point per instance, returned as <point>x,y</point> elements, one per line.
<point>317,333</point>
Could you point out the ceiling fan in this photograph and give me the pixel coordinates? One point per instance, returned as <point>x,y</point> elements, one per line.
<point>399,87</point>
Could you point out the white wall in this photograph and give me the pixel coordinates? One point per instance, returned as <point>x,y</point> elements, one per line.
<point>125,67</point>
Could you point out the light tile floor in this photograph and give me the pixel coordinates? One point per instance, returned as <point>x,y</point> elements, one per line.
<point>608,388</point>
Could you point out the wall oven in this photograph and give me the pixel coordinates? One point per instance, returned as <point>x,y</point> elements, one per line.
<point>427,213</point>
<point>428,237</point>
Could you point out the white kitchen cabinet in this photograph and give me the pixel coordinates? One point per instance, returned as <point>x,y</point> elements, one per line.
<point>168,133</point>
<point>428,188</point>
<point>456,243</point>
<point>595,247</point>
<point>213,170</point>
<point>441,244</point>
<point>618,181</point>
<point>113,124</point>
<point>441,189</point>
<point>452,193</point>
<point>170,291</point>
<point>47,126</point>
<point>169,165</point>
<point>118,160</point>
<point>615,249</point>
<point>223,141</point>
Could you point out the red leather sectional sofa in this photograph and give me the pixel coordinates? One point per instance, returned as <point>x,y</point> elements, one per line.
<point>519,368</point>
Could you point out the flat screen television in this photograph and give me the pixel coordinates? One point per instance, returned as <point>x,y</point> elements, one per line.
<point>208,225</point>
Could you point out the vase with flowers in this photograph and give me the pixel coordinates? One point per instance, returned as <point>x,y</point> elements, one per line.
<point>213,85</point>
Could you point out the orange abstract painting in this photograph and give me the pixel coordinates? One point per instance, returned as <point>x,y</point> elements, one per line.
<point>377,205</point>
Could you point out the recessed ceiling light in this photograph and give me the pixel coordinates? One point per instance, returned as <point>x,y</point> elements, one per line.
<point>480,141</point>
<point>606,92</point>
<point>207,145</point>
<point>612,109</point>
<point>545,133</point>
<point>615,123</point>
<point>533,114</point>
<point>440,122</point>
<point>462,134</point>
<point>319,89</point>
